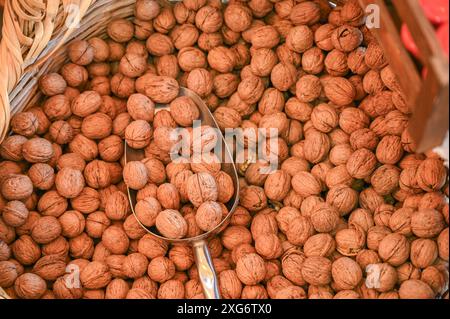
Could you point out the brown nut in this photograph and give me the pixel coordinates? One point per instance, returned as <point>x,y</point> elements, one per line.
<point>171,224</point>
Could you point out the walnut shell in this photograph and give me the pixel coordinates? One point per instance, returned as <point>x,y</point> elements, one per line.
<point>346,273</point>
<point>394,249</point>
<point>161,269</point>
<point>221,59</point>
<point>115,239</point>
<point>46,229</point>
<point>237,17</point>
<point>161,89</point>
<point>427,223</point>
<point>171,224</point>
<point>69,182</point>
<point>30,286</point>
<point>300,38</point>
<point>415,289</point>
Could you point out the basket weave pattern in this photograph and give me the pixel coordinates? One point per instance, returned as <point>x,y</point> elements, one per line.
<point>35,30</point>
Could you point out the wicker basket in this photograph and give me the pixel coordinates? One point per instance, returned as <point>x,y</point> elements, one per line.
<point>34,31</point>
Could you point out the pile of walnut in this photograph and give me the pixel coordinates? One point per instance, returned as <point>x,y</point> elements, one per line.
<point>352,212</point>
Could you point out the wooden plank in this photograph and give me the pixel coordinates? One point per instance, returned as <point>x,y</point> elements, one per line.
<point>429,123</point>
<point>430,114</point>
<point>396,54</point>
<point>421,29</point>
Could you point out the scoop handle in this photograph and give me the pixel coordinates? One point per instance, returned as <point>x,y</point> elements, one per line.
<point>206,272</point>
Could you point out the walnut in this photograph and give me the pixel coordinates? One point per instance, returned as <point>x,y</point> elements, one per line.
<point>80,52</point>
<point>208,19</point>
<point>443,244</point>
<point>338,175</point>
<point>209,215</point>
<point>52,84</point>
<point>336,63</point>
<point>69,182</point>
<point>343,198</point>
<point>306,184</point>
<point>264,37</point>
<point>171,289</point>
<point>120,30</point>
<point>324,218</point>
<point>324,118</point>
<point>427,223</point>
<point>268,246</point>
<point>95,275</point>
<point>434,277</point>
<point>313,61</point>
<point>30,286</point>
<point>287,56</point>
<point>316,147</point>
<point>221,59</point>
<point>182,257</point>
<point>171,224</point>
<point>316,270</point>
<point>237,17</point>
<point>162,89</point>
<point>115,239</point>
<point>339,91</point>
<point>229,284</point>
<point>164,21</point>
<point>361,163</point>
<point>306,13</point>
<point>356,62</point>
<point>415,289</point>
<point>389,150</point>
<point>423,252</point>
<point>86,103</point>
<point>56,107</point>
<point>37,150</point>
<point>253,198</point>
<point>322,37</point>
<point>15,213</point>
<point>431,175</point>
<point>159,44</point>
<point>298,110</point>
<point>138,134</point>
<point>8,273</point>
<point>75,75</point>
<point>308,88</point>
<point>374,57</point>
<point>346,273</point>
<point>250,269</point>
<point>50,267</point>
<point>350,241</point>
<point>394,249</point>
<point>184,35</point>
<point>208,41</point>
<point>117,206</point>
<point>190,58</point>
<point>45,229</point>
<point>161,269</point>
<point>168,195</point>
<point>300,38</point>
<point>72,223</point>
<point>122,86</point>
<point>117,289</point>
<point>5,251</point>
<point>299,230</point>
<point>233,236</point>
<point>26,250</point>
<point>200,81</point>
<point>346,38</point>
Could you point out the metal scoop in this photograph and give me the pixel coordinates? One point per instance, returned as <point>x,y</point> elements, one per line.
<point>207,274</point>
